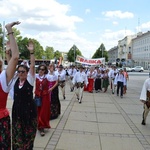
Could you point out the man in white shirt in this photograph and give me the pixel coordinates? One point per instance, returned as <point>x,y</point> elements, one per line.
<point>61,73</point>
<point>79,80</point>
<point>112,75</point>
<point>72,71</point>
<point>120,81</point>
<point>145,98</point>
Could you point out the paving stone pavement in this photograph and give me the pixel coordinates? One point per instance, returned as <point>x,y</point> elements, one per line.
<point>101,122</point>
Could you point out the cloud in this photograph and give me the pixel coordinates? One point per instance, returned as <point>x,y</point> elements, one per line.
<point>115,23</point>
<point>118,14</point>
<point>110,38</point>
<point>87,11</point>
<point>144,27</point>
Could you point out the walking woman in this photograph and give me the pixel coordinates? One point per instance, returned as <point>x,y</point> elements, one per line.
<point>24,114</point>
<point>54,94</point>
<point>105,80</point>
<point>5,80</point>
<point>41,90</point>
<point>98,81</point>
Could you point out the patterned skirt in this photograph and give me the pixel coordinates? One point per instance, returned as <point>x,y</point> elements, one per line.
<point>5,138</point>
<point>55,103</point>
<point>23,134</point>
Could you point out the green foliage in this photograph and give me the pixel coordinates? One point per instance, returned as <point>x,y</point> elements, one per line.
<point>24,53</point>
<point>49,52</point>
<point>101,52</point>
<point>57,54</point>
<point>73,52</point>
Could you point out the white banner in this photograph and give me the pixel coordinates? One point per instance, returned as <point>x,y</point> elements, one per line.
<point>97,61</point>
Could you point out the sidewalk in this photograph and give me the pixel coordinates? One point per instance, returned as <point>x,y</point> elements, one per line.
<point>101,122</point>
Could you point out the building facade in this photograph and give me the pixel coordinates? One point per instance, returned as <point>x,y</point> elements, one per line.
<point>113,55</point>
<point>141,50</point>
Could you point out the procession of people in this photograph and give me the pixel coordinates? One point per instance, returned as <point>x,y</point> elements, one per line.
<point>36,100</point>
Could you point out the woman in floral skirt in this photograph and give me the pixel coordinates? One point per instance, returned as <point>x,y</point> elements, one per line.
<point>24,113</point>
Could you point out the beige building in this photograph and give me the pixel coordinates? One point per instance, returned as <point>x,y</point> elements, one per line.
<point>113,55</point>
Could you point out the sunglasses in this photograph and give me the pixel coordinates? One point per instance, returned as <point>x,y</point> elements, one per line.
<point>21,71</point>
<point>42,69</point>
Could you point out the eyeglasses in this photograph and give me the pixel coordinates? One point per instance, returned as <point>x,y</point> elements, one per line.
<point>42,69</point>
<point>21,71</point>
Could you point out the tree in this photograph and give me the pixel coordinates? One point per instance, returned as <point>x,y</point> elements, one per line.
<point>49,52</point>
<point>57,54</point>
<point>73,52</point>
<point>101,52</point>
<point>24,53</point>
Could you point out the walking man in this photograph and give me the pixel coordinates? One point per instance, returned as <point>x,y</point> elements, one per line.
<point>79,80</point>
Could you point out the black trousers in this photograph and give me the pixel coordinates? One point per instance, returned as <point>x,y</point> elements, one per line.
<point>120,86</point>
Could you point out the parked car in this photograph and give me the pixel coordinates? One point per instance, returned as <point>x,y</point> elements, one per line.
<point>128,69</point>
<point>137,69</point>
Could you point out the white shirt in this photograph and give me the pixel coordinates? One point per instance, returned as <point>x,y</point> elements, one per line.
<point>30,79</point>
<point>121,78</point>
<point>112,73</point>
<point>146,87</point>
<point>80,77</point>
<point>91,74</point>
<point>52,77</point>
<point>3,82</point>
<point>72,72</point>
<point>61,75</point>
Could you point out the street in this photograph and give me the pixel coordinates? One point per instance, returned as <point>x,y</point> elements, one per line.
<point>101,122</point>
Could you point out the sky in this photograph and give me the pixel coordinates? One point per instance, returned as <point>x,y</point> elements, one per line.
<point>86,23</point>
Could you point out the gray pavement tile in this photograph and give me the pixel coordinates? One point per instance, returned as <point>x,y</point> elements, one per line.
<point>83,108</point>
<point>114,128</point>
<point>84,116</point>
<point>107,110</point>
<point>81,126</point>
<point>78,142</point>
<point>113,118</point>
<point>117,143</point>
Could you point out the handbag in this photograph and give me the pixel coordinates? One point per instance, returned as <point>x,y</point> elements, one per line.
<point>38,101</point>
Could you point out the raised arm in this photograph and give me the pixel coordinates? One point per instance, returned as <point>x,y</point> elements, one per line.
<point>30,47</point>
<point>11,68</point>
<point>8,52</point>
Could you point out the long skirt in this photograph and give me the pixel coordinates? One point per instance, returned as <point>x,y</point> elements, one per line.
<point>105,83</point>
<point>98,84</point>
<point>5,138</point>
<point>90,85</point>
<point>44,113</point>
<point>54,102</point>
<point>23,134</point>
